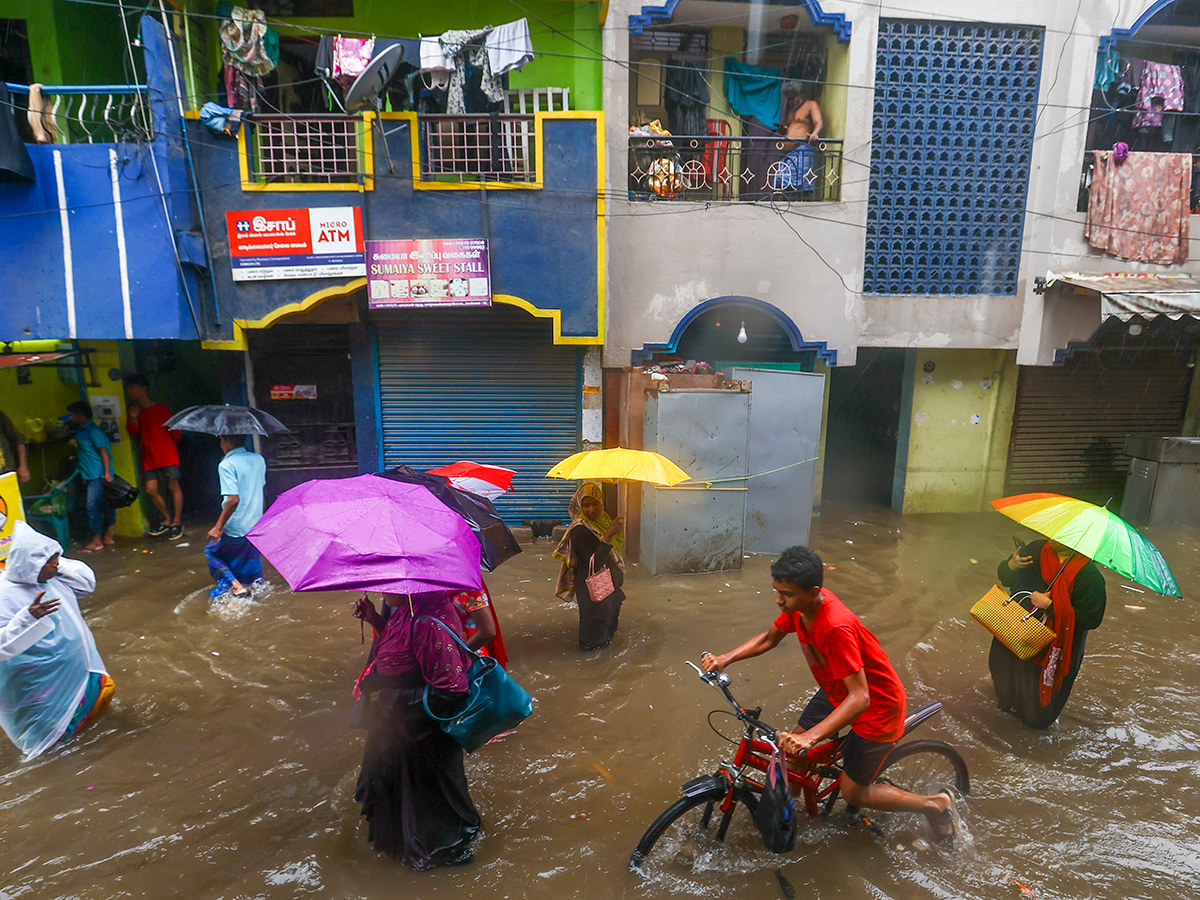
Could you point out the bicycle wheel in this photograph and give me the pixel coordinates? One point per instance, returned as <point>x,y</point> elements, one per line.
<point>919,767</point>
<point>692,828</point>
<point>926,767</point>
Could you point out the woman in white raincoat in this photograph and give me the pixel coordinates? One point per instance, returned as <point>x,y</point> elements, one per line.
<point>52,680</point>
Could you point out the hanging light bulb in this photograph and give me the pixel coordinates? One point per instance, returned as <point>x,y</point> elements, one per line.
<point>742,336</point>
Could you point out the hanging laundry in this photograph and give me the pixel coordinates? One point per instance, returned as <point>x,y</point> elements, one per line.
<point>410,50</point>
<point>432,57</point>
<point>350,57</point>
<point>466,47</point>
<point>509,47</point>
<point>242,42</point>
<point>1140,209</point>
<point>685,95</point>
<point>753,91</point>
<point>1108,69</point>
<point>1187,129</point>
<point>15,162</point>
<point>241,90</point>
<point>1161,91</point>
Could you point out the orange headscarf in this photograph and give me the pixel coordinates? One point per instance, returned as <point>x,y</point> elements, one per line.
<point>1061,619</point>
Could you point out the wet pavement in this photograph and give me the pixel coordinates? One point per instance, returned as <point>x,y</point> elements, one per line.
<point>225,767</point>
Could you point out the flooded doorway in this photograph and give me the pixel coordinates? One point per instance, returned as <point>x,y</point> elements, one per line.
<point>864,422</point>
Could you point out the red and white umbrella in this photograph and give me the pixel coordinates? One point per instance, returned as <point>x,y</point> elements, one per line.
<point>487,481</point>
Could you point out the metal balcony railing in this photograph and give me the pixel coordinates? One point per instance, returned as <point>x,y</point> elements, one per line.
<point>727,168</point>
<point>498,147</point>
<point>307,149</point>
<point>86,114</point>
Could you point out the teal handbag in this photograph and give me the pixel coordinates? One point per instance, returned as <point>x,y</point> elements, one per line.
<point>495,702</point>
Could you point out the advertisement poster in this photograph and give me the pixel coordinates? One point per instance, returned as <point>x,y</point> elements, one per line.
<point>402,274</point>
<point>293,392</point>
<point>269,244</point>
<point>10,509</point>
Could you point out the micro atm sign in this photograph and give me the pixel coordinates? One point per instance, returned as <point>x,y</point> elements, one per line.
<point>268,244</point>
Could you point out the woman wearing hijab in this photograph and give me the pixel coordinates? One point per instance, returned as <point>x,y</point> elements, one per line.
<point>53,683</point>
<point>592,543</point>
<point>1036,690</point>
<point>412,786</point>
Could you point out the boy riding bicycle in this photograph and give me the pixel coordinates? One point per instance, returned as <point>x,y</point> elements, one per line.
<point>858,688</point>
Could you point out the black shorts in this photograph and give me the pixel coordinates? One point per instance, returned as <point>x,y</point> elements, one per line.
<point>163,475</point>
<point>861,759</point>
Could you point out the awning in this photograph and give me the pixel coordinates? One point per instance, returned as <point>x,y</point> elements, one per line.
<point>9,360</point>
<point>1129,295</point>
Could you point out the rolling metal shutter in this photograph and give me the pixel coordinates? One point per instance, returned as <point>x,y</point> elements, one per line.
<point>1071,421</point>
<point>487,385</point>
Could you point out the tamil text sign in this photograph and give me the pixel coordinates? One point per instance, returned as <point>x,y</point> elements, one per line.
<point>269,244</point>
<point>428,273</point>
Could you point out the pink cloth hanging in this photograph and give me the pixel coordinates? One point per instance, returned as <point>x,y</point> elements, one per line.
<point>350,57</point>
<point>1141,209</point>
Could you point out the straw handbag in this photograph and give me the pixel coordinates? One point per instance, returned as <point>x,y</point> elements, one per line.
<point>1005,618</point>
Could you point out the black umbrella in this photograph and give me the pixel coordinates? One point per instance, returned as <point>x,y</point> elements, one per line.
<point>225,419</point>
<point>496,540</point>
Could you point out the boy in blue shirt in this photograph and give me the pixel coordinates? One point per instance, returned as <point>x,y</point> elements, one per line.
<point>95,468</point>
<point>233,561</point>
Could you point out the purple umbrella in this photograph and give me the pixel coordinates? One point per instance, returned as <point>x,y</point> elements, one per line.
<point>369,534</point>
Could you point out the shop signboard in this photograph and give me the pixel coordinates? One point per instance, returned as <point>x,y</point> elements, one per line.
<point>10,509</point>
<point>403,274</point>
<point>270,244</point>
<point>293,392</point>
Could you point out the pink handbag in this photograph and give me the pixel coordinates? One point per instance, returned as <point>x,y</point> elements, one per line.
<point>599,583</point>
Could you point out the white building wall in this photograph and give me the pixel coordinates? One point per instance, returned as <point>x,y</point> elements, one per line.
<point>667,257</point>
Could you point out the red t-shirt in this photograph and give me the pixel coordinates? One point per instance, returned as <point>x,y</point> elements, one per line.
<point>837,646</point>
<point>157,443</point>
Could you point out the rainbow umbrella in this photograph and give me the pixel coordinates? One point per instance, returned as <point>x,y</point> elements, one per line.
<point>1094,532</point>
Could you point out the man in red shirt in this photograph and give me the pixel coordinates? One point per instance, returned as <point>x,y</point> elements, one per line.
<point>160,455</point>
<point>859,688</point>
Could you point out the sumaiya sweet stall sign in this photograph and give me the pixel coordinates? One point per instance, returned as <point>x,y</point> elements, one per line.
<point>403,274</point>
<point>268,244</point>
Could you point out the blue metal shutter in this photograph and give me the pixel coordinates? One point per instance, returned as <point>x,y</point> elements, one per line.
<point>487,385</point>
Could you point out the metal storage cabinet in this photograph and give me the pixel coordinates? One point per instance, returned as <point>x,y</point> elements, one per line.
<point>692,529</point>
<point>1163,484</point>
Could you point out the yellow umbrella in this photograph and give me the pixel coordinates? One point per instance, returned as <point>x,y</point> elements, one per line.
<point>618,464</point>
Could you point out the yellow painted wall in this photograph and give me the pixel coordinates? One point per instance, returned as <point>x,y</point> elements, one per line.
<point>834,95</point>
<point>959,432</point>
<point>46,397</point>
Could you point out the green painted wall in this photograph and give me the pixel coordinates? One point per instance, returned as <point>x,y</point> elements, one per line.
<point>959,426</point>
<point>565,35</point>
<point>46,398</point>
<point>72,43</point>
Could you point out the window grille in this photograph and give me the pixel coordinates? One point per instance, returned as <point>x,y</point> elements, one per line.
<point>321,149</point>
<point>955,108</point>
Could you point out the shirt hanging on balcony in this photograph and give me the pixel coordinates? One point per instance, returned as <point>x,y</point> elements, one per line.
<point>509,47</point>
<point>466,47</point>
<point>350,57</point>
<point>753,91</point>
<point>15,163</point>
<point>432,56</point>
<point>1140,209</point>
<point>1162,91</point>
<point>244,41</point>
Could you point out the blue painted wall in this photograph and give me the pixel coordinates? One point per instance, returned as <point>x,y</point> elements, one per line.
<point>32,255</point>
<point>543,242</point>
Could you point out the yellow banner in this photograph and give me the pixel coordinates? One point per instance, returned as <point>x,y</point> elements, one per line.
<point>10,509</point>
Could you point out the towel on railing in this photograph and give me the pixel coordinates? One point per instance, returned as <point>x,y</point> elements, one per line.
<point>1141,208</point>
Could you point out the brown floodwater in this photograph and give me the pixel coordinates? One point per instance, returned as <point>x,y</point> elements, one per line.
<point>225,767</point>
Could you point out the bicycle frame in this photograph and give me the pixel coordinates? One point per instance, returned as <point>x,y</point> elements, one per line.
<point>816,775</point>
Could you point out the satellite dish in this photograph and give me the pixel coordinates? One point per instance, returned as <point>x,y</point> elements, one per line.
<point>368,87</point>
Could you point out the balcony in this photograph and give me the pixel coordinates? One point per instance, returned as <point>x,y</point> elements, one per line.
<point>725,168</point>
<point>281,152</point>
<point>87,114</point>
<point>478,148</point>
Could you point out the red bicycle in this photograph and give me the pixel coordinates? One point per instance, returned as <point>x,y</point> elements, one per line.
<point>685,830</point>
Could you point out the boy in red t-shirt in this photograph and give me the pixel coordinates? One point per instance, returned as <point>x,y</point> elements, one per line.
<point>859,688</point>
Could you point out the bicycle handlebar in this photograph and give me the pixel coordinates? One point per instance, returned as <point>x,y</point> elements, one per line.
<point>721,682</point>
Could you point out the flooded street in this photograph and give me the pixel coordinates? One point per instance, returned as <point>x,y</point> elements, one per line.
<point>225,767</point>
